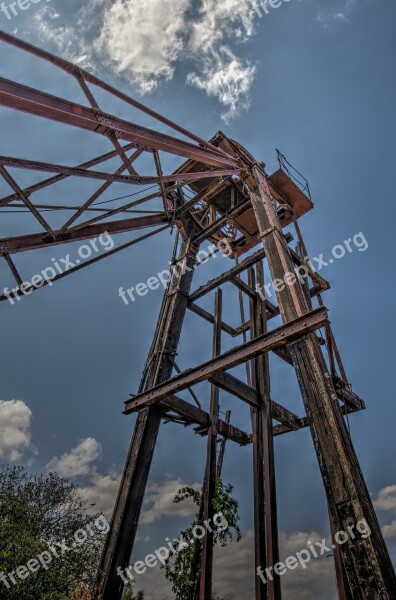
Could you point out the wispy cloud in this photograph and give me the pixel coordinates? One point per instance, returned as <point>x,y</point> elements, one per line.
<point>221,72</point>
<point>342,14</point>
<point>144,41</point>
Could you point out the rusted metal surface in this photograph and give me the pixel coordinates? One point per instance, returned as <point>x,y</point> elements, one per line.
<point>202,418</point>
<point>19,293</point>
<point>52,180</point>
<point>13,184</point>
<point>23,98</point>
<point>34,165</point>
<point>264,343</point>
<point>367,563</point>
<point>303,422</point>
<point>120,539</point>
<point>38,240</point>
<point>210,318</point>
<point>233,198</point>
<point>220,458</point>
<point>227,276</point>
<point>80,73</point>
<point>282,187</point>
<point>216,163</point>
<point>265,506</point>
<point>209,487</point>
<point>229,194</point>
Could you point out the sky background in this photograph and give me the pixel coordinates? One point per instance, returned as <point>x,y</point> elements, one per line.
<point>312,78</point>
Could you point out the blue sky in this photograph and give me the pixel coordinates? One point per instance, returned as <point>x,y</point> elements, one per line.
<point>312,78</point>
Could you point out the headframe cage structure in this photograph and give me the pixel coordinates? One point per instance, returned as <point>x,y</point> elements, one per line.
<point>219,193</point>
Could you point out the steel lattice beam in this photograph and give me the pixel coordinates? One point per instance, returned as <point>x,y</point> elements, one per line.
<point>26,99</point>
<point>40,240</point>
<point>232,358</point>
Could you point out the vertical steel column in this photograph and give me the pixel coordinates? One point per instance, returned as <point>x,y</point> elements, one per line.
<point>121,537</point>
<point>366,561</point>
<point>265,509</point>
<point>220,458</point>
<point>342,581</point>
<point>209,491</point>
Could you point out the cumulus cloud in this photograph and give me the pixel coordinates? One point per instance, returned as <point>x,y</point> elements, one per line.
<point>160,498</point>
<point>386,499</point>
<point>15,435</point>
<point>145,40</point>
<point>318,580</point>
<point>101,492</point>
<point>235,577</point>
<point>78,461</point>
<point>389,531</point>
<point>233,572</point>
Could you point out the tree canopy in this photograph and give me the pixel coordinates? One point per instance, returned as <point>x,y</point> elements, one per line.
<point>49,545</point>
<point>179,569</point>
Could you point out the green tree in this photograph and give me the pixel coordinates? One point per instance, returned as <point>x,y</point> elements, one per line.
<point>38,511</point>
<point>179,565</point>
<point>129,594</point>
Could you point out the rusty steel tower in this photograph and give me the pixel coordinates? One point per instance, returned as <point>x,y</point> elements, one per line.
<point>219,194</point>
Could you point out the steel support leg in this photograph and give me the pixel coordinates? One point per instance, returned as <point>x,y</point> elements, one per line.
<point>209,491</point>
<point>366,561</point>
<point>121,537</point>
<point>265,509</point>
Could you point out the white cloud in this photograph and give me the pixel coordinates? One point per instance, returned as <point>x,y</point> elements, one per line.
<point>102,492</point>
<point>145,40</point>
<point>318,580</point>
<point>233,572</point>
<point>227,78</point>
<point>328,16</point>
<point>160,496</point>
<point>234,569</point>
<point>78,461</point>
<point>65,39</point>
<point>386,499</point>
<point>15,435</point>
<point>389,531</point>
<point>221,73</point>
